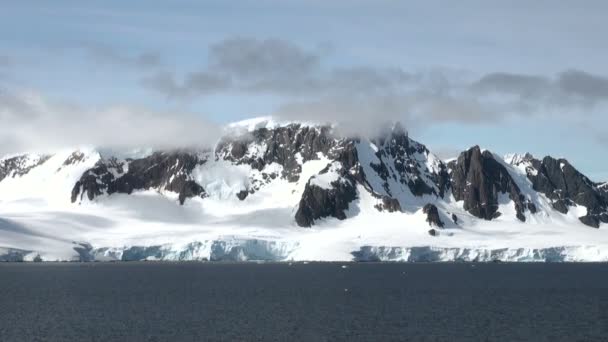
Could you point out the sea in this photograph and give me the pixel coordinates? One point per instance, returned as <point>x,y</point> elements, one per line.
<point>204,301</point>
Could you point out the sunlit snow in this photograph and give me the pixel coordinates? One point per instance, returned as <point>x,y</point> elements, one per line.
<point>37,218</point>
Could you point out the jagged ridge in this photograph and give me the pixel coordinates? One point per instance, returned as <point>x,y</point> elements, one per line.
<point>400,173</point>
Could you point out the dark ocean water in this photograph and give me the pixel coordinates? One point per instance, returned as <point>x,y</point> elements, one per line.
<point>303,302</point>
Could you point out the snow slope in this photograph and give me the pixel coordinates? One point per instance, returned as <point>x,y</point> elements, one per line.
<point>37,217</point>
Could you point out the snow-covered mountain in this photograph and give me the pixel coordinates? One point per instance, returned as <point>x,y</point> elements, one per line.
<point>294,191</point>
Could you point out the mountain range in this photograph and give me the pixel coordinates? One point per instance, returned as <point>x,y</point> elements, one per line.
<point>295,191</point>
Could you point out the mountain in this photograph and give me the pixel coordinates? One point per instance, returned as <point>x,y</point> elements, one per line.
<point>295,191</point>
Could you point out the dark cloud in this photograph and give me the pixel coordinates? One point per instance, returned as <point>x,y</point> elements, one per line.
<point>111,56</point>
<point>274,67</point>
<point>565,89</point>
<point>366,79</point>
<point>196,83</point>
<point>363,98</point>
<point>583,84</point>
<point>523,85</point>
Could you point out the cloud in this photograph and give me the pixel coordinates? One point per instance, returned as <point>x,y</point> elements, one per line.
<point>195,84</point>
<point>254,60</point>
<point>366,79</point>
<point>585,85</point>
<point>568,88</point>
<point>301,77</point>
<point>522,85</point>
<point>276,67</point>
<point>31,122</point>
<point>363,98</point>
<point>306,85</point>
<point>423,99</point>
<point>106,55</point>
<point>369,114</point>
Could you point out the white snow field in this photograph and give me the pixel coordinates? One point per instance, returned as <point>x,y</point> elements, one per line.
<point>37,218</point>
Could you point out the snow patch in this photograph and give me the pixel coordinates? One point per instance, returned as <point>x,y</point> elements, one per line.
<point>325,180</point>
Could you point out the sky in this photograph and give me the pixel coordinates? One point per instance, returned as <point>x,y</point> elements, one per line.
<point>515,76</point>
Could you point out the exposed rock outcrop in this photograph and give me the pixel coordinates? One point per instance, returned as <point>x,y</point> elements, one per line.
<point>162,170</point>
<point>565,186</point>
<point>591,220</point>
<point>478,179</point>
<point>388,204</point>
<point>242,194</point>
<point>432,216</point>
<point>18,166</point>
<point>327,194</point>
<point>409,163</point>
<point>288,146</point>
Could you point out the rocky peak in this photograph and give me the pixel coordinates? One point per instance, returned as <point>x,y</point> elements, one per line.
<point>479,179</point>
<point>401,161</point>
<point>288,146</point>
<point>565,186</point>
<point>386,167</point>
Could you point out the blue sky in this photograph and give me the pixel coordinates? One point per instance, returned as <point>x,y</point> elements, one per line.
<point>512,77</point>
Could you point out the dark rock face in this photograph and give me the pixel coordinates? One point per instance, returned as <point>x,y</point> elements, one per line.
<point>388,204</point>
<point>397,163</point>
<point>281,145</point>
<point>565,186</point>
<point>478,179</point>
<point>562,205</point>
<point>319,202</point>
<point>75,158</point>
<point>591,220</point>
<point>162,170</point>
<point>433,232</point>
<point>402,163</point>
<point>604,191</point>
<point>19,165</point>
<point>454,218</point>
<point>404,160</point>
<point>432,215</point>
<point>557,179</point>
<point>242,194</point>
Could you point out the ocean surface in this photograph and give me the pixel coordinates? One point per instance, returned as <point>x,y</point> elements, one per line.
<point>303,302</point>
